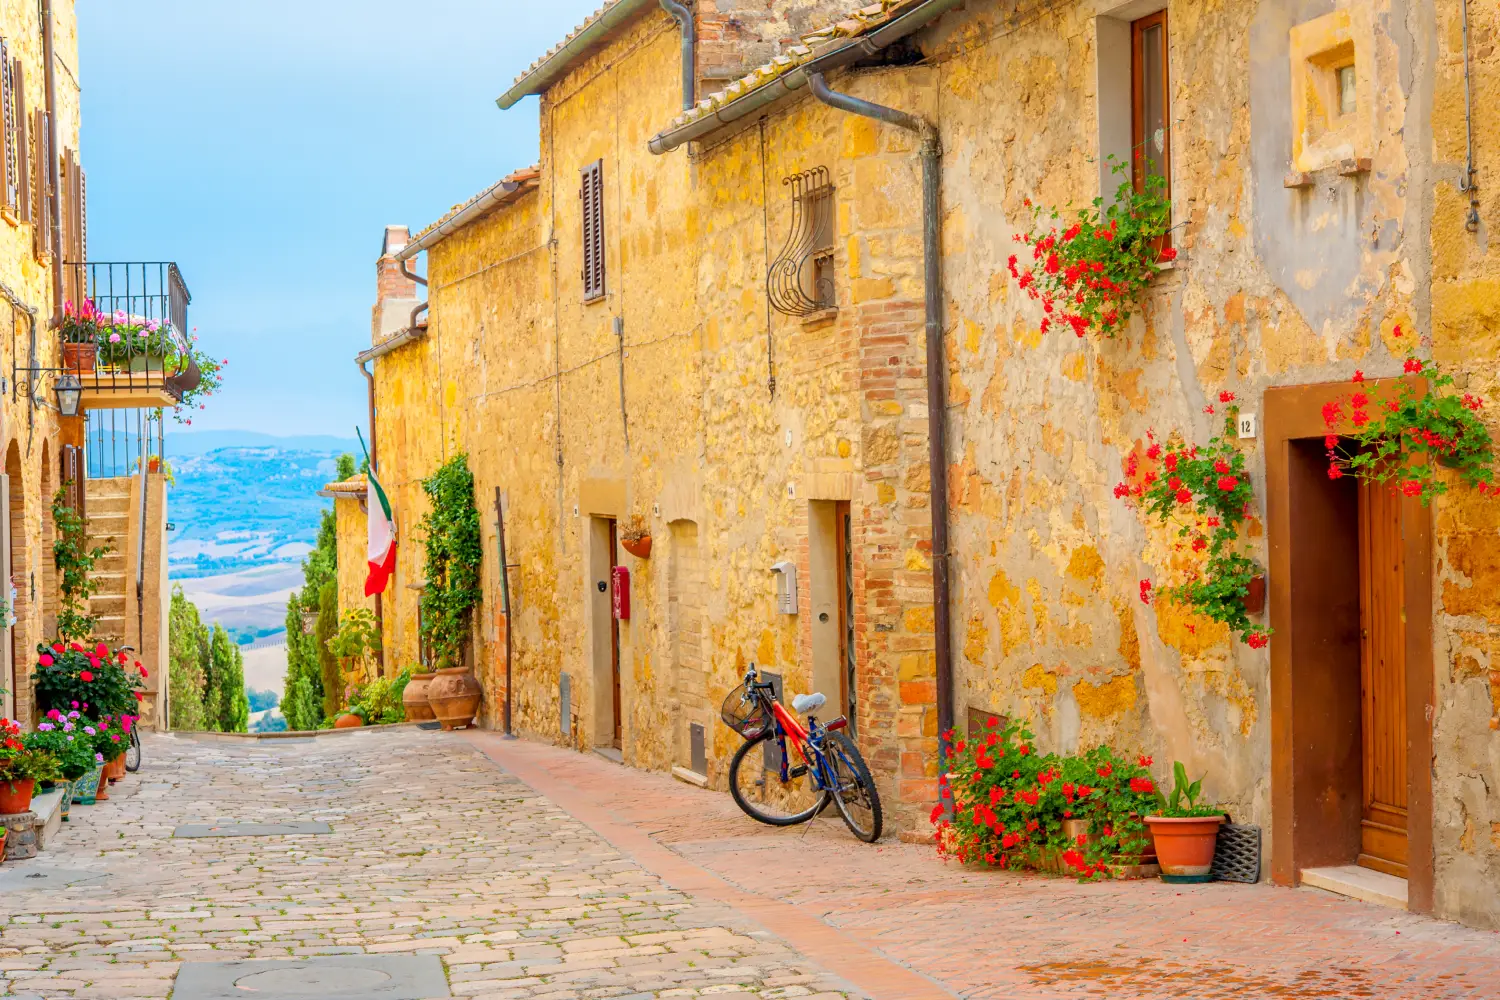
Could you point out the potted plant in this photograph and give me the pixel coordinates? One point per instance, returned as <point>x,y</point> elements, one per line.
<point>637,538</point>
<point>455,555</point>
<point>130,343</point>
<point>75,753</point>
<point>352,718</point>
<point>1185,831</point>
<point>80,331</point>
<point>21,767</point>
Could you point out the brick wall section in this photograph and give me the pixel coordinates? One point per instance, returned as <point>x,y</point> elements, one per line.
<point>735,36</point>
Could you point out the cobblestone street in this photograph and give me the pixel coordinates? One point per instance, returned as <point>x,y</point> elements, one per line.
<point>538,872</point>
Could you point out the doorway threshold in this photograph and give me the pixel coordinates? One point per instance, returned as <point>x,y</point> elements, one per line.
<point>1365,884</point>
<point>610,753</point>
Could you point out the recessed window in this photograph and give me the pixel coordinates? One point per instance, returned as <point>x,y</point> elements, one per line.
<point>1150,103</point>
<point>1348,101</point>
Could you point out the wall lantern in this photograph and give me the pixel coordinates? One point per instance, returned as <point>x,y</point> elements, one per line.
<point>69,394</point>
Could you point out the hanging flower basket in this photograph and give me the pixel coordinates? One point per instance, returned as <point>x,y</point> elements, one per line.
<point>638,547</point>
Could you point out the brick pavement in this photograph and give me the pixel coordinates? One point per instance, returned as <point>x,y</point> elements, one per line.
<point>564,875</point>
<point>434,850</point>
<point>987,934</point>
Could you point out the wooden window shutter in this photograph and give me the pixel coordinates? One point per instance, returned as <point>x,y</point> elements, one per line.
<point>23,147</point>
<point>43,184</point>
<point>72,208</point>
<point>591,195</point>
<point>8,99</point>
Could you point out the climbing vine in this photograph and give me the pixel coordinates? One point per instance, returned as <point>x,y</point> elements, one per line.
<point>75,561</point>
<point>1406,438</point>
<point>1205,494</point>
<point>454,557</point>
<point>1089,275</point>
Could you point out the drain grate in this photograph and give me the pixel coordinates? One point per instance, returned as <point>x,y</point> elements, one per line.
<point>334,977</point>
<point>195,830</point>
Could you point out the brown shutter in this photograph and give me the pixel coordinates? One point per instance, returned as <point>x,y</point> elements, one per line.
<point>23,146</point>
<point>43,185</point>
<point>8,99</point>
<point>591,195</point>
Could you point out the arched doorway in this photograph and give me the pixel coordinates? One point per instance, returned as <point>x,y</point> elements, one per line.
<point>16,589</point>
<point>49,535</point>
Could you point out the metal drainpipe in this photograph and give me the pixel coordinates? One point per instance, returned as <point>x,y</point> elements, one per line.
<point>407,273</point>
<point>937,368</point>
<point>684,17</point>
<point>50,56</point>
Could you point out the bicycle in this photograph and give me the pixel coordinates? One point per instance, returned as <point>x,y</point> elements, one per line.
<point>133,751</point>
<point>779,793</point>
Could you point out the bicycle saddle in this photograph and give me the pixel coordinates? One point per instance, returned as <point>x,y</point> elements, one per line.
<point>805,703</point>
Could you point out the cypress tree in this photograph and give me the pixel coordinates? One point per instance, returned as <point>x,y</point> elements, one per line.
<point>328,664</point>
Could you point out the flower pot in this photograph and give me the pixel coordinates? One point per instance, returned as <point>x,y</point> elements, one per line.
<point>66,804</point>
<point>147,363</point>
<point>1255,596</point>
<point>86,787</point>
<point>115,769</point>
<point>348,721</point>
<point>15,796</point>
<point>4,833</point>
<point>414,698</point>
<point>80,357</point>
<point>1185,846</point>
<point>640,547</point>
<point>454,696</point>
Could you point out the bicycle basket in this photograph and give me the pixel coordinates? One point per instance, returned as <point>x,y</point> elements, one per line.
<point>745,713</point>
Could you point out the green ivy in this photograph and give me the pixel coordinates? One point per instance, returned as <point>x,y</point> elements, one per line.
<point>455,555</point>
<point>75,561</point>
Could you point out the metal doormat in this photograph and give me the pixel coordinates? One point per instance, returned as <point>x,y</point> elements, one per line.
<point>195,830</point>
<point>1237,854</point>
<point>336,977</point>
<point>22,879</point>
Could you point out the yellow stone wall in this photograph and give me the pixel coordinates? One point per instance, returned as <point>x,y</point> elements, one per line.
<point>1275,285</point>
<point>349,514</point>
<point>30,431</point>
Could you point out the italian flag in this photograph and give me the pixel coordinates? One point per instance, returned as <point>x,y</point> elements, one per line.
<point>381,548</point>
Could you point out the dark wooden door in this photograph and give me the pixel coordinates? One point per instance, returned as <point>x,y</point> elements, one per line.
<point>848,689</point>
<point>614,630</point>
<point>1383,679</point>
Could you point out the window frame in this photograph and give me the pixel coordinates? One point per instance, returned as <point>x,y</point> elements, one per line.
<point>591,231</point>
<point>1138,136</point>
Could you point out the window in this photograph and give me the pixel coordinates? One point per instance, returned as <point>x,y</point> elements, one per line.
<point>591,195</point>
<point>1348,100</point>
<point>23,146</point>
<point>12,160</point>
<point>1151,132</point>
<point>43,193</point>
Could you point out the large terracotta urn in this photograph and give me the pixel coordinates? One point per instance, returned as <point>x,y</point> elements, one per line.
<point>454,696</point>
<point>414,698</point>
<point>15,796</point>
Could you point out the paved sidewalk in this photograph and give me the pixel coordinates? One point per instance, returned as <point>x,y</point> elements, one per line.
<point>433,850</point>
<point>561,875</point>
<point>987,934</point>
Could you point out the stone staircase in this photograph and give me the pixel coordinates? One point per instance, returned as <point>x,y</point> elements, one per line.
<point>108,507</point>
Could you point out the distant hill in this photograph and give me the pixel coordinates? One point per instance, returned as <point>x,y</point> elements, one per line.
<point>187,443</point>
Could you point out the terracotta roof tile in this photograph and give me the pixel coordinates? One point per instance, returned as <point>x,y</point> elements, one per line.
<point>527,177</point>
<point>355,485</point>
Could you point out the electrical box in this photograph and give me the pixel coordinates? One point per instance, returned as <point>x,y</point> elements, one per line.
<point>786,587</point>
<point>619,581</point>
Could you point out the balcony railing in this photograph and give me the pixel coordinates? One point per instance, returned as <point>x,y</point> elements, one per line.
<point>124,330</point>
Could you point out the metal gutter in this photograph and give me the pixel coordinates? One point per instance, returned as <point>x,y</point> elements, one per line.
<point>684,19</point>
<point>853,50</point>
<point>481,203</point>
<point>552,67</point>
<point>389,344</point>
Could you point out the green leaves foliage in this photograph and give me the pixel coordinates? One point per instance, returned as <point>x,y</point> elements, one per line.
<point>75,560</point>
<point>455,555</point>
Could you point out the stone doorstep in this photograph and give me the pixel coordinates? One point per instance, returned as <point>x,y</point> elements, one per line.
<point>690,777</point>
<point>48,809</point>
<point>1364,884</point>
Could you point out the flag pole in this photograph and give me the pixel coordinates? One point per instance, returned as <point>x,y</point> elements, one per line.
<point>505,599</point>
<point>379,604</point>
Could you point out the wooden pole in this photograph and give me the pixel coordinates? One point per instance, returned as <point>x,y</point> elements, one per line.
<point>505,599</point>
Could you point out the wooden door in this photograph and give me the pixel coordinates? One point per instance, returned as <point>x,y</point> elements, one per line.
<point>1382,679</point>
<point>614,632</point>
<point>848,689</point>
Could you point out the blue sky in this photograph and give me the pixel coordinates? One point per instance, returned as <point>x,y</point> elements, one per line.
<point>265,145</point>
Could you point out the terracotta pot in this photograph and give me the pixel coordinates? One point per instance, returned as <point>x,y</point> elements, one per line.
<point>79,357</point>
<point>15,796</point>
<point>1185,845</point>
<point>414,698</point>
<point>348,721</point>
<point>1072,829</point>
<point>115,769</point>
<point>640,548</point>
<point>1255,596</point>
<point>454,696</point>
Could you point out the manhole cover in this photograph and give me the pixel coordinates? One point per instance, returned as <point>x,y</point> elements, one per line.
<point>193,830</point>
<point>335,977</point>
<point>316,982</point>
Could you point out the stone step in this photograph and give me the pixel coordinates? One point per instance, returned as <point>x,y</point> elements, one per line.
<point>107,604</point>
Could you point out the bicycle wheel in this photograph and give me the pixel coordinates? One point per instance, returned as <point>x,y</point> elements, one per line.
<point>761,793</point>
<point>133,752</point>
<point>857,800</point>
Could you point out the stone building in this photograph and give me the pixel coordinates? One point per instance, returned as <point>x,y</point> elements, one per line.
<point>91,420</point>
<point>708,324</point>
